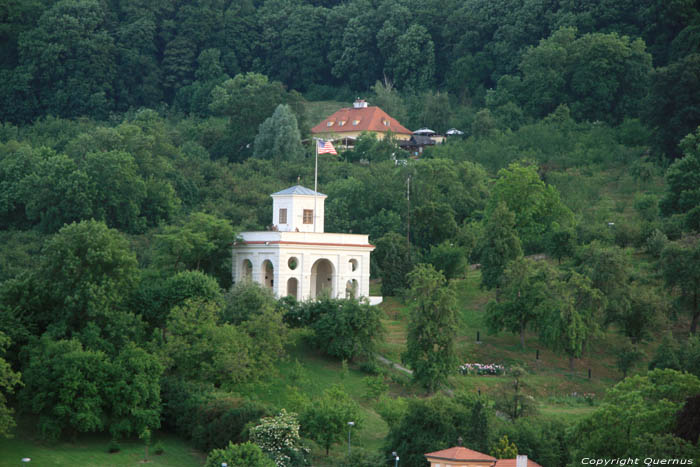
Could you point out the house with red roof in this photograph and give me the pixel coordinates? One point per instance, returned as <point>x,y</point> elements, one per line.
<point>459,456</point>
<point>345,125</point>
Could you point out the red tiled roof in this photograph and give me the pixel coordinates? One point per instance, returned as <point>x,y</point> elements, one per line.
<point>368,119</point>
<point>511,463</point>
<point>459,453</point>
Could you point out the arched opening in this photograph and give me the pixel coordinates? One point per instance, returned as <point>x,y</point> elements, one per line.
<point>267,274</point>
<point>246,270</point>
<point>322,278</point>
<point>353,265</point>
<point>293,287</point>
<point>351,288</point>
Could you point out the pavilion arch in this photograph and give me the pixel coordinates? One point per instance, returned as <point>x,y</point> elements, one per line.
<point>246,270</point>
<point>322,278</point>
<point>267,274</point>
<point>293,287</point>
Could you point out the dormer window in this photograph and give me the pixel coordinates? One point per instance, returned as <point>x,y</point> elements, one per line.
<point>355,122</point>
<point>386,122</point>
<point>329,124</point>
<point>341,123</point>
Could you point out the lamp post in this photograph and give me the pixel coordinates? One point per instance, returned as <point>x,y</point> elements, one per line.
<point>350,425</point>
<point>396,459</point>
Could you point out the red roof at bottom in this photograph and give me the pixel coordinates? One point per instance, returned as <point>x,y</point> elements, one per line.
<point>458,453</point>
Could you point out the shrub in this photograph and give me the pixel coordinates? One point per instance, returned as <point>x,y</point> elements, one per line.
<point>113,447</point>
<point>158,448</point>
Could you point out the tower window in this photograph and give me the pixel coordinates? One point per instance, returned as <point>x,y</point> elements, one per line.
<point>283,216</point>
<point>308,216</point>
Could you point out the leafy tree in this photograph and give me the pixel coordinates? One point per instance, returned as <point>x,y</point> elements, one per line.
<point>501,245</point>
<point>8,380</point>
<point>504,449</point>
<point>279,438</point>
<point>86,273</point>
<point>432,327</point>
<point>246,100</point>
<point>198,348</point>
<point>325,420</point>
<point>239,455</point>
<point>635,407</point>
<point>672,103</point>
<point>343,328</point>
<point>449,259</point>
<point>513,401</point>
<point>64,385</point>
<point>667,355</point>
<point>683,179</point>
<point>535,204</point>
<point>600,76</point>
<point>680,265</point>
<point>393,261</point>
<point>133,394</point>
<point>278,136</point>
<point>412,63</point>
<point>74,389</point>
<point>609,271</point>
<point>521,298</point>
<point>570,318</point>
<point>627,358</point>
<point>202,243</point>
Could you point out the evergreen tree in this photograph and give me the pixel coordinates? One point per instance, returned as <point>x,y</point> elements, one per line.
<point>278,136</point>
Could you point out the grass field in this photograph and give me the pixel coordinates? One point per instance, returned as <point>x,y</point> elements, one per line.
<point>91,451</point>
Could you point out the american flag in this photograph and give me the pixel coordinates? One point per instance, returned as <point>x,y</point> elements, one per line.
<point>325,147</point>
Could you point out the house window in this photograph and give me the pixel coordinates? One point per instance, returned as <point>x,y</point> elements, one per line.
<point>355,122</point>
<point>341,123</point>
<point>329,124</point>
<point>283,216</point>
<point>308,216</point>
<point>386,122</point>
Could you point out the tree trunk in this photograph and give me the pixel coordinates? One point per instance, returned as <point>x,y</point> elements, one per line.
<point>694,322</point>
<point>522,334</point>
<point>571,363</point>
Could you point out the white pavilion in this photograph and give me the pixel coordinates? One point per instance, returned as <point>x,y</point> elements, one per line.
<point>296,257</point>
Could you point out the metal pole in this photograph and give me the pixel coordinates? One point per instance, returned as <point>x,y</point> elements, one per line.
<point>315,182</point>
<point>408,216</point>
<point>350,425</point>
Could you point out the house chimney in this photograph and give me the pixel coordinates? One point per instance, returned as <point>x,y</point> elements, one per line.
<point>359,103</point>
<point>521,461</point>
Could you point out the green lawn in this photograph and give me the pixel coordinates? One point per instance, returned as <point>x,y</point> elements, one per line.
<point>91,451</point>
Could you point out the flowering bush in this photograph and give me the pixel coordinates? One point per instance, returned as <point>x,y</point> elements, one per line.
<point>279,438</point>
<point>482,369</point>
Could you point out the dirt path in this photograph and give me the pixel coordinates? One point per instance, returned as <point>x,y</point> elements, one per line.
<point>386,361</point>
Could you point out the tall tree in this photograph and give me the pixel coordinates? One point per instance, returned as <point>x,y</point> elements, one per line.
<point>325,420</point>
<point>524,290</point>
<point>278,137</point>
<point>8,380</point>
<point>683,183</point>
<point>432,329</point>
<point>680,265</point>
<point>501,245</point>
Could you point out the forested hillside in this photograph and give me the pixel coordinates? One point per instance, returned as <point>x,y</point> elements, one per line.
<point>137,138</point>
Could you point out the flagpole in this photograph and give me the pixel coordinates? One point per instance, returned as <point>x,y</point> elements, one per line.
<point>315,183</point>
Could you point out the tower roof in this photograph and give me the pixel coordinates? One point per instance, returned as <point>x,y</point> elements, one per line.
<point>298,190</point>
